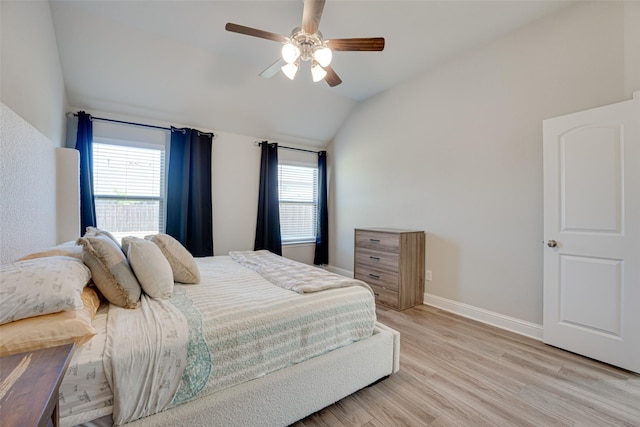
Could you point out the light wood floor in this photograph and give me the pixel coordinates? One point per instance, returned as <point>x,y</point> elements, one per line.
<point>458,372</point>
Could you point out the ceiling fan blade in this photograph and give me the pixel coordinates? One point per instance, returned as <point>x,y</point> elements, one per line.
<point>241,29</point>
<point>331,78</point>
<point>357,44</point>
<point>272,69</point>
<point>311,15</point>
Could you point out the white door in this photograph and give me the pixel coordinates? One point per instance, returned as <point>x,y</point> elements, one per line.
<point>592,233</point>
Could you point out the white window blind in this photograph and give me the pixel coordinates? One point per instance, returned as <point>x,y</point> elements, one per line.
<point>128,182</point>
<point>298,193</point>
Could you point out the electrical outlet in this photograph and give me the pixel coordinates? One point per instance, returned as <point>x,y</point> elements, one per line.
<point>427,275</point>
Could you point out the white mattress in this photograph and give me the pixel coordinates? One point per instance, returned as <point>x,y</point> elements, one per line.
<point>85,393</point>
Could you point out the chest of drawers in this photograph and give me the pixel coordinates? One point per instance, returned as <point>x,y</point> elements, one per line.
<point>391,261</point>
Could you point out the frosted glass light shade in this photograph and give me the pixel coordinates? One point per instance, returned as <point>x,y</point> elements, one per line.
<point>290,53</point>
<point>317,73</point>
<point>323,56</point>
<point>290,70</point>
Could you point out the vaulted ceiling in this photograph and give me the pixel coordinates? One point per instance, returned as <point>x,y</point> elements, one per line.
<point>173,61</point>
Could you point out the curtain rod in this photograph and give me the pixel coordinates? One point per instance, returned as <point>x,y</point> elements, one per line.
<point>259,143</point>
<point>145,125</point>
<point>127,123</point>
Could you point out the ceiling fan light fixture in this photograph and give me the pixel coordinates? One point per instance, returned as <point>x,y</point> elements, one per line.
<point>317,72</point>
<point>306,43</point>
<point>323,56</point>
<point>290,52</point>
<point>290,70</point>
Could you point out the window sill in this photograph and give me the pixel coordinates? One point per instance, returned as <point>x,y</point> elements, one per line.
<point>299,243</point>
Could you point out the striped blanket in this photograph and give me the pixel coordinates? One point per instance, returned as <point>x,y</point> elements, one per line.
<point>241,326</point>
<point>292,275</point>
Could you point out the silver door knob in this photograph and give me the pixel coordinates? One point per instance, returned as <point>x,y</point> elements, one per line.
<point>552,243</point>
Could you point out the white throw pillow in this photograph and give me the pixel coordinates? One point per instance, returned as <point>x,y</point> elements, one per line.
<point>41,286</point>
<point>150,267</point>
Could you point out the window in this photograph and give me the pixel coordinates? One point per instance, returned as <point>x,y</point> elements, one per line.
<point>129,187</point>
<point>298,193</point>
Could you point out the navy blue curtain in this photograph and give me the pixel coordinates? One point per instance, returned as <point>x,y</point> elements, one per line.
<point>189,212</point>
<point>322,234</point>
<point>268,225</point>
<point>84,144</point>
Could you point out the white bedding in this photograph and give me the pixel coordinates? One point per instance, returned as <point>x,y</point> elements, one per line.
<point>253,327</point>
<point>242,327</point>
<point>145,357</point>
<point>85,393</point>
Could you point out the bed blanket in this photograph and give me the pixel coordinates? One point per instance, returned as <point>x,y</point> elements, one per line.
<point>242,327</point>
<point>292,275</point>
<point>145,355</point>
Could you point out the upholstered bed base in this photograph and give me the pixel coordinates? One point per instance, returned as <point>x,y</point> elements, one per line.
<point>288,395</point>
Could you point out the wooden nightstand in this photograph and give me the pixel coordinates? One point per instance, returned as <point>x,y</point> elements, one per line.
<point>392,262</point>
<point>29,385</point>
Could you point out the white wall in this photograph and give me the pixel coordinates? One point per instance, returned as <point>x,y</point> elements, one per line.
<point>235,176</point>
<point>457,152</point>
<point>28,192</point>
<point>32,81</point>
<point>33,103</point>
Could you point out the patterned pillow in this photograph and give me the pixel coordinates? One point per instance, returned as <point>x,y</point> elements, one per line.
<point>41,286</point>
<point>184,267</point>
<point>150,266</point>
<point>110,270</point>
<point>51,330</point>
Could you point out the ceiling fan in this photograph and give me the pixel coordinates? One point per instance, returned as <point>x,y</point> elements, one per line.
<point>306,43</point>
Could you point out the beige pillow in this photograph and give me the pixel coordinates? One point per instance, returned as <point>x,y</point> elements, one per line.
<point>51,330</point>
<point>125,244</point>
<point>184,267</point>
<point>150,266</point>
<point>93,231</point>
<point>110,270</point>
<point>64,249</point>
<point>41,286</point>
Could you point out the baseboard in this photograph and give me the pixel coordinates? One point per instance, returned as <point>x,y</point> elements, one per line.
<point>522,327</point>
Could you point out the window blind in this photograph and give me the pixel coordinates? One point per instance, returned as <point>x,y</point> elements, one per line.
<point>129,184</point>
<point>298,194</point>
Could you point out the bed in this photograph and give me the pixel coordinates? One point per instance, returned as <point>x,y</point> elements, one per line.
<point>258,340</point>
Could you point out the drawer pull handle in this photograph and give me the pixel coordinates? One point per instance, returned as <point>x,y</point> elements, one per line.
<point>374,276</point>
<point>375,258</point>
<point>374,240</point>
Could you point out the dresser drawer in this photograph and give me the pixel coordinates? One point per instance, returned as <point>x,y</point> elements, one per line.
<point>376,259</point>
<point>386,279</point>
<point>385,242</point>
<point>391,261</point>
<point>385,296</point>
